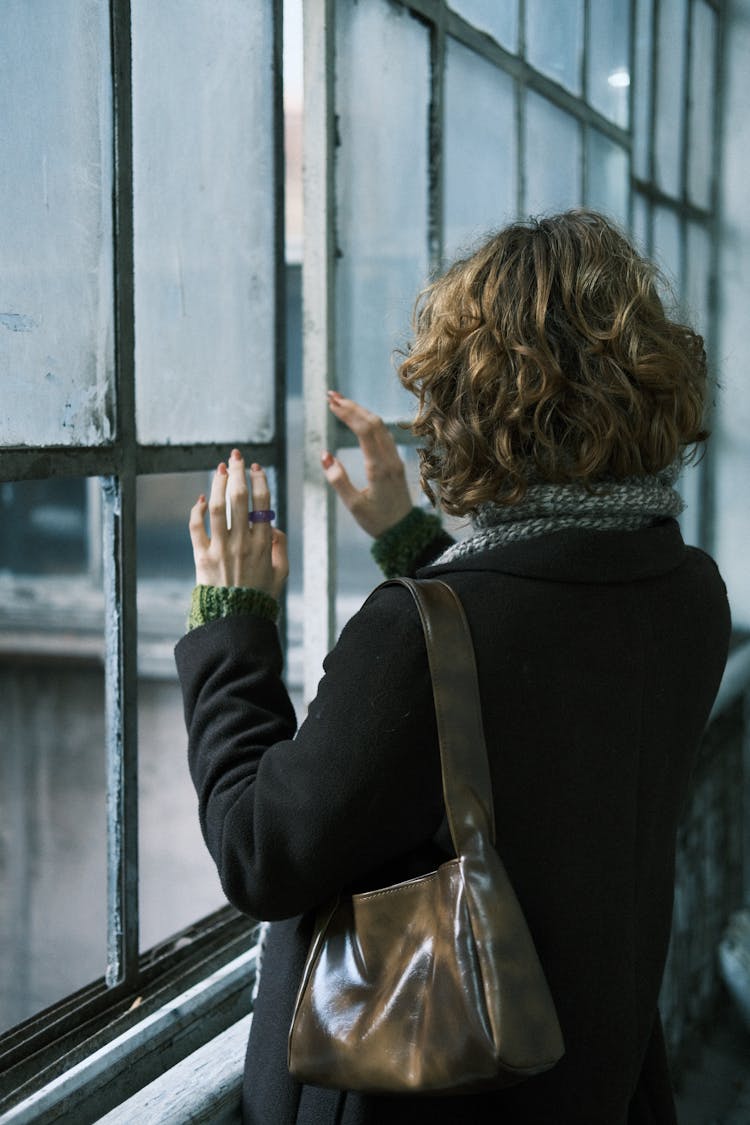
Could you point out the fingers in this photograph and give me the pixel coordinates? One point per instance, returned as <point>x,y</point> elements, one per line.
<point>217,504</point>
<point>338,478</point>
<point>260,502</point>
<point>197,525</point>
<point>378,447</point>
<point>238,494</point>
<point>279,554</point>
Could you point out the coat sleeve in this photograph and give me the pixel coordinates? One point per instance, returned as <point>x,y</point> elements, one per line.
<point>289,821</point>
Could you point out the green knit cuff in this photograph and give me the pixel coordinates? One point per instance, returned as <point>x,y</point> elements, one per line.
<point>209,603</point>
<point>395,550</point>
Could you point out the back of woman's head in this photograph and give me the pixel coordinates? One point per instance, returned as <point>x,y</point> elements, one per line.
<point>547,356</point>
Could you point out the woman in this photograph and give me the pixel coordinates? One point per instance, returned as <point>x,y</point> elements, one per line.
<point>556,401</point>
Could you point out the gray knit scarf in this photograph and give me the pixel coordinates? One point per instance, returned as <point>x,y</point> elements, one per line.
<point>625,505</point>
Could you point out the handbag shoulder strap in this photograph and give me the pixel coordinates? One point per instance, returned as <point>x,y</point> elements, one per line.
<point>467,786</point>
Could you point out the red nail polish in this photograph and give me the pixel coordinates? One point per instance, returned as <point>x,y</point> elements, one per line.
<point>326,459</point>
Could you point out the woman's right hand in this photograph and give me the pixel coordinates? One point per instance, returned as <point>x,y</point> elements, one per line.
<point>386,498</point>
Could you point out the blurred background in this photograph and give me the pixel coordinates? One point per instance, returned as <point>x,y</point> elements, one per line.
<point>140,342</point>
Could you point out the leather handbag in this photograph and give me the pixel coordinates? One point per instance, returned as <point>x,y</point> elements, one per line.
<point>432,985</point>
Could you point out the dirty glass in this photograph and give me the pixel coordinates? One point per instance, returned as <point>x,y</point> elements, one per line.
<point>642,92</point>
<point>56,309</point>
<point>670,94</point>
<point>666,246</point>
<point>480,148</point>
<point>204,220</point>
<point>382,90</point>
<point>52,766</point>
<point>552,159</point>
<point>609,59</point>
<point>498,20</point>
<point>554,40</point>
<point>700,162</point>
<point>640,222</point>
<point>698,276</point>
<point>607,176</point>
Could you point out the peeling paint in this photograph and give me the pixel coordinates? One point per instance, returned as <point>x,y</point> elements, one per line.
<point>18,322</point>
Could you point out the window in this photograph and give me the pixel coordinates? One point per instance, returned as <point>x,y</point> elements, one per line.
<point>141,338</point>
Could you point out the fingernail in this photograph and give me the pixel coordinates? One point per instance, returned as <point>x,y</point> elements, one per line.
<point>222,469</point>
<point>255,467</point>
<point>326,459</point>
<point>236,454</point>
<point>333,394</point>
<point>201,499</point>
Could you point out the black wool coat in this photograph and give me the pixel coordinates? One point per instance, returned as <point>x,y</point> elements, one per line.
<point>599,655</point>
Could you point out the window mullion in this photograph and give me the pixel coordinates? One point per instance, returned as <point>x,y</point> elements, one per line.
<point>319,573</point>
<point>118,501</point>
<point>119,526</point>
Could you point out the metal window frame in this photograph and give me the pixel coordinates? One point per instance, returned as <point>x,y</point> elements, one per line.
<point>128,973</point>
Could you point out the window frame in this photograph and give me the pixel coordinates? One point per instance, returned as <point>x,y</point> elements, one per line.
<point>37,1049</point>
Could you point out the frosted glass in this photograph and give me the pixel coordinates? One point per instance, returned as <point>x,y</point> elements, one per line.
<point>642,89</point>
<point>698,276</point>
<point>702,93</point>
<point>552,163</point>
<point>480,148</point>
<point>204,220</point>
<point>382,185</point>
<point>500,20</point>
<point>56,309</point>
<point>554,39</point>
<point>670,94</point>
<point>666,247</point>
<point>609,59</point>
<point>607,176</point>
<point>640,223</point>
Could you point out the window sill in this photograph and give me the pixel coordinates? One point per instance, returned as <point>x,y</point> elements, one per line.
<point>129,1065</point>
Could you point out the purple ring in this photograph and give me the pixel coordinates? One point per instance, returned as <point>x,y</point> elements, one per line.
<point>263,515</point>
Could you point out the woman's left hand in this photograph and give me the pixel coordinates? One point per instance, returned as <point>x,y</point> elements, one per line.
<point>246,554</point>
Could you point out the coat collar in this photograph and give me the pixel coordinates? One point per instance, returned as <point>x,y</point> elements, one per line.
<point>580,556</point>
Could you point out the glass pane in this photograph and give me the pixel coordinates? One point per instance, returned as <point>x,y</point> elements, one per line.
<point>689,486</point>
<point>702,94</point>
<point>56,311</point>
<point>499,20</point>
<point>204,220</point>
<point>52,766</point>
<point>640,222</point>
<point>178,880</point>
<point>609,59</point>
<point>666,246</point>
<point>698,276</point>
<point>383,94</point>
<point>480,148</point>
<point>608,182</point>
<point>554,39</point>
<point>670,94</point>
<point>50,521</point>
<point>642,92</point>
<point>552,160</point>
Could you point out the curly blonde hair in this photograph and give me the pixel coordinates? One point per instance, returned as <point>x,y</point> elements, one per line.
<point>547,356</point>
